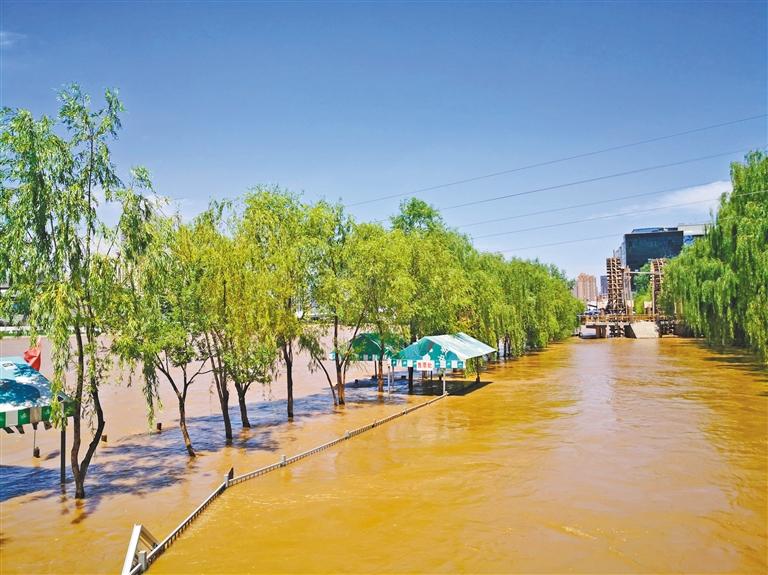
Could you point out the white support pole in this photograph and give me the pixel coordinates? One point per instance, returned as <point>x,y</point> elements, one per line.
<point>444,383</point>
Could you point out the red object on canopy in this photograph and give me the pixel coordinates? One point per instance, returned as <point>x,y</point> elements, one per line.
<point>32,357</point>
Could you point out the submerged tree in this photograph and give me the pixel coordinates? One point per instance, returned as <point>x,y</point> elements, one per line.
<point>337,291</point>
<point>163,329</point>
<point>384,281</point>
<point>274,225</point>
<point>58,251</point>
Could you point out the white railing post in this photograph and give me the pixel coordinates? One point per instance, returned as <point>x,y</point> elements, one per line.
<point>131,553</point>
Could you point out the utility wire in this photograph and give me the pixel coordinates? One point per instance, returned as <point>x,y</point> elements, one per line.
<point>582,205</point>
<point>607,235</point>
<point>595,179</point>
<point>558,160</point>
<point>557,243</point>
<point>607,216</point>
<point>574,183</point>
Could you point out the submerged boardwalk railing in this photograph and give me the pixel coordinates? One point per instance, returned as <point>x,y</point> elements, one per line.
<point>143,548</point>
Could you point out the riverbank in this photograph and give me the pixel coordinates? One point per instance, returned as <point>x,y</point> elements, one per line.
<point>621,455</point>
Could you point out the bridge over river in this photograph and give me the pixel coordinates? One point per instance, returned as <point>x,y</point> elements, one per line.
<point>641,326</point>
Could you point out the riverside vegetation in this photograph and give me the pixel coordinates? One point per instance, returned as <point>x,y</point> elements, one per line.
<point>720,283</point>
<point>240,289</point>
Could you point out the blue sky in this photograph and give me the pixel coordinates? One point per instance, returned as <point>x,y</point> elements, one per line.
<point>355,101</point>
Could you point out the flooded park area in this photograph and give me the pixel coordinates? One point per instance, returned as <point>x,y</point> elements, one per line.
<point>592,456</point>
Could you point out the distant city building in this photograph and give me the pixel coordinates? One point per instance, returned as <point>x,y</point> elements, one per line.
<point>603,285</point>
<point>644,244</point>
<point>585,288</point>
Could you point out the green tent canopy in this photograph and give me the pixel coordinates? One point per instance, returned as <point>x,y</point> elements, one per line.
<point>25,395</point>
<point>367,347</point>
<point>441,352</point>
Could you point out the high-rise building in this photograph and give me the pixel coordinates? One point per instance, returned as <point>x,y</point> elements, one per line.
<point>603,285</point>
<point>585,288</point>
<point>645,244</point>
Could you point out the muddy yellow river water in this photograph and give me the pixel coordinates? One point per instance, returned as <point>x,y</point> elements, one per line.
<point>645,456</point>
<point>595,456</point>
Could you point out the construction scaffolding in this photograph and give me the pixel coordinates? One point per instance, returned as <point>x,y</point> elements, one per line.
<point>617,303</point>
<point>657,279</point>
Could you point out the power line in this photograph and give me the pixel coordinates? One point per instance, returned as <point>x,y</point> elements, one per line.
<point>557,243</point>
<point>594,218</point>
<point>557,161</point>
<point>582,205</point>
<point>607,235</point>
<point>595,179</point>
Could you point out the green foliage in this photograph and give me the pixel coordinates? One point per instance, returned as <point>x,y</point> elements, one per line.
<point>241,286</point>
<point>59,256</point>
<point>524,304</point>
<point>640,282</point>
<point>720,283</point>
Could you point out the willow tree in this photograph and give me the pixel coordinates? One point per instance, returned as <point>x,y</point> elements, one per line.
<point>337,291</point>
<point>238,293</point>
<point>163,330</point>
<point>58,251</point>
<point>384,280</point>
<point>275,226</point>
<point>720,283</point>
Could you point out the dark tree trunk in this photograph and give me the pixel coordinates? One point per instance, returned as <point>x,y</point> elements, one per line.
<point>220,379</point>
<point>337,363</point>
<point>224,402</point>
<point>76,418</point>
<point>80,469</point>
<point>381,374</point>
<point>340,384</point>
<point>288,357</point>
<point>183,425</point>
<point>241,391</point>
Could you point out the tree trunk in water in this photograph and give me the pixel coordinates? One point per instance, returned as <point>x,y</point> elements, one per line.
<point>220,379</point>
<point>289,378</point>
<point>381,374</point>
<point>184,430</point>
<point>76,418</point>
<point>80,469</point>
<point>337,362</point>
<point>224,401</point>
<point>241,391</point>
<point>288,357</point>
<point>339,384</point>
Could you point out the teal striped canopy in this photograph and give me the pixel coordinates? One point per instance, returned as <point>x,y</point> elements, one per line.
<point>25,395</point>
<point>450,351</point>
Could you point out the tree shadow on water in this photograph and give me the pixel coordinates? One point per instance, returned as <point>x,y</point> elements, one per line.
<point>143,463</point>
<point>734,357</point>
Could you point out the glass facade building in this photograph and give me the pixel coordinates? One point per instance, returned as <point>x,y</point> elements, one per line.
<point>644,244</point>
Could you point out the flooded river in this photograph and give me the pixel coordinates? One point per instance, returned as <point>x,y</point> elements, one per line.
<point>593,456</point>
<point>600,456</point>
